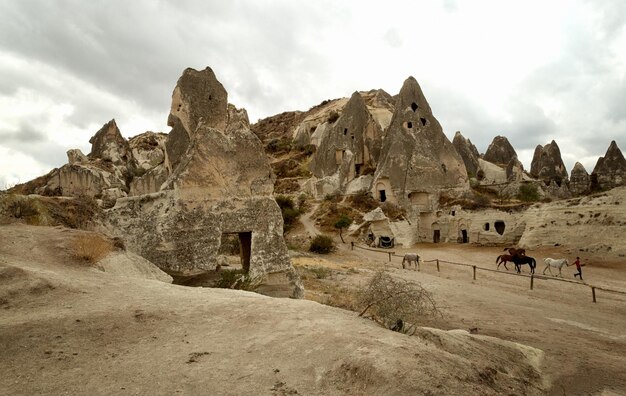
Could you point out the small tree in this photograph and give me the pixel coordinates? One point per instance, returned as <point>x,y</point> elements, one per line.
<point>343,222</point>
<point>528,193</point>
<point>395,302</point>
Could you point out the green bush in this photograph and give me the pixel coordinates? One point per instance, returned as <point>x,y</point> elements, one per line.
<point>528,193</point>
<point>288,210</point>
<point>322,244</point>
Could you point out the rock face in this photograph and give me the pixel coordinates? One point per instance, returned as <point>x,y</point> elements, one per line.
<point>467,151</point>
<point>579,180</point>
<point>350,147</point>
<point>547,164</point>
<point>417,160</point>
<point>610,170</point>
<point>500,151</point>
<point>219,183</point>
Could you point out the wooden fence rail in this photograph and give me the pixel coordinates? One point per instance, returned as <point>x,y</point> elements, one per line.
<point>475,268</point>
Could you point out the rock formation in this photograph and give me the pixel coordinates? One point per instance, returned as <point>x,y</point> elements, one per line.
<point>349,148</point>
<point>579,180</point>
<point>500,151</point>
<point>219,182</point>
<point>610,170</point>
<point>467,151</point>
<point>417,160</point>
<point>547,164</point>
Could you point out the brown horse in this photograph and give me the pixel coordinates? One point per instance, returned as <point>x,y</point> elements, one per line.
<point>503,259</point>
<point>516,252</point>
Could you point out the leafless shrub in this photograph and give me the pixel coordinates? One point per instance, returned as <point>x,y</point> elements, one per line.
<point>392,301</point>
<point>91,248</point>
<point>393,211</point>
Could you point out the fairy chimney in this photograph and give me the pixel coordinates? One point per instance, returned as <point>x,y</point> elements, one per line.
<point>467,151</point>
<point>547,164</point>
<point>610,170</point>
<point>500,151</point>
<point>417,160</point>
<point>579,180</point>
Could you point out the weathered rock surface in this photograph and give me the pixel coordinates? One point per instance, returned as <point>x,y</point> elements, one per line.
<point>467,151</point>
<point>547,164</point>
<point>500,151</point>
<point>417,159</point>
<point>219,182</point>
<point>610,170</point>
<point>351,146</point>
<point>579,180</point>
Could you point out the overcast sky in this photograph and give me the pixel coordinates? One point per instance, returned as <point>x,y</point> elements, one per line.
<point>533,71</point>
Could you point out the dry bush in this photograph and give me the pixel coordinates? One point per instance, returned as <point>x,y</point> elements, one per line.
<point>392,301</point>
<point>393,211</point>
<point>91,248</point>
<point>364,201</point>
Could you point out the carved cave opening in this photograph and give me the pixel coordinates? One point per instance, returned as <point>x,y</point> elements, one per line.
<point>238,244</point>
<point>486,226</point>
<point>423,120</point>
<point>414,106</point>
<point>464,236</point>
<point>436,236</point>
<point>357,169</point>
<point>499,226</point>
<point>382,195</point>
<point>409,125</point>
<point>345,131</point>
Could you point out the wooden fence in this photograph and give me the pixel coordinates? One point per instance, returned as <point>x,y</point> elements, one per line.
<point>475,268</point>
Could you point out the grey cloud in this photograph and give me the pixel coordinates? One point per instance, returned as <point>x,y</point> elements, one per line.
<point>33,142</point>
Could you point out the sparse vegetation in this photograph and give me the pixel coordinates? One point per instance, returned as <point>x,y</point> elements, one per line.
<point>363,201</point>
<point>288,210</point>
<point>281,145</point>
<point>91,248</point>
<point>333,116</point>
<point>393,211</point>
<point>343,222</point>
<point>322,244</point>
<point>528,193</point>
<point>238,280</point>
<point>391,301</point>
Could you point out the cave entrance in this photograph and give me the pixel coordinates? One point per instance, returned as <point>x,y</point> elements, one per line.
<point>464,236</point>
<point>383,195</point>
<point>499,226</point>
<point>436,236</point>
<point>238,244</point>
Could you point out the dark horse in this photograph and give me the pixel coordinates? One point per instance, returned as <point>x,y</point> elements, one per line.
<point>519,260</point>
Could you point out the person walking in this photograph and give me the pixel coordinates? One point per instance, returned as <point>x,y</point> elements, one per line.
<point>579,268</point>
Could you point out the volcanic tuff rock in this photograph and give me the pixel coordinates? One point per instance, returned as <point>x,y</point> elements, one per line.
<point>579,180</point>
<point>417,159</point>
<point>350,145</point>
<point>547,164</point>
<point>610,170</point>
<point>500,151</point>
<point>219,182</point>
<point>467,151</point>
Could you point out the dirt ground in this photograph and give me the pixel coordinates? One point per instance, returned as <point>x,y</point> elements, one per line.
<point>584,342</point>
<point>67,328</point>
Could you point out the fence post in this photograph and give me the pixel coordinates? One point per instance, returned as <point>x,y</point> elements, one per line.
<point>418,264</point>
<point>474,268</point>
<point>437,265</point>
<point>351,245</point>
<point>532,279</point>
<point>593,293</point>
<point>389,256</point>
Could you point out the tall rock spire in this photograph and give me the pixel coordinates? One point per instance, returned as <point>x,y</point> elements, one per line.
<point>548,165</point>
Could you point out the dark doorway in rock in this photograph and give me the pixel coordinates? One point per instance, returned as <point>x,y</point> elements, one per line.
<point>245,240</point>
<point>382,195</point>
<point>423,121</point>
<point>357,169</point>
<point>345,131</point>
<point>486,227</point>
<point>414,106</point>
<point>464,236</point>
<point>499,226</point>
<point>409,125</point>
<point>436,236</point>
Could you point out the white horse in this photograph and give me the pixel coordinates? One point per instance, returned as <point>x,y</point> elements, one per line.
<point>411,257</point>
<point>550,262</point>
